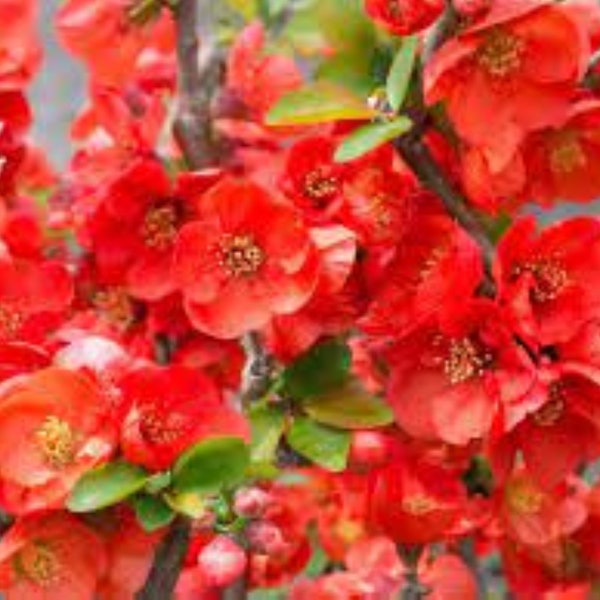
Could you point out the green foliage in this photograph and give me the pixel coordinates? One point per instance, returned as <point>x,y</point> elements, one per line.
<point>105,486</point>
<point>323,367</point>
<point>371,136</point>
<point>267,423</point>
<point>349,407</point>
<point>211,465</point>
<point>323,445</point>
<point>152,512</point>
<point>319,102</point>
<point>399,77</point>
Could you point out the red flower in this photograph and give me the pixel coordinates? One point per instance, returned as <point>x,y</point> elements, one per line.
<point>533,516</point>
<point>434,260</point>
<point>50,557</point>
<point>561,432</point>
<point>133,230</point>
<point>312,180</point>
<point>244,261</point>
<point>20,51</point>
<point>450,378</point>
<point>54,427</point>
<point>403,17</point>
<point>415,501</point>
<point>547,280</point>
<point>512,72</point>
<point>170,409</point>
<point>33,299</point>
<point>89,30</point>
<point>562,162</point>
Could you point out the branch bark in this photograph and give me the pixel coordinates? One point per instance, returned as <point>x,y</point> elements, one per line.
<point>257,372</point>
<point>168,561</point>
<point>200,71</point>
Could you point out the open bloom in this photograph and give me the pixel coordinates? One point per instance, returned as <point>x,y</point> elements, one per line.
<point>451,378</point>
<point>49,557</point>
<point>547,279</point>
<point>512,72</point>
<point>53,428</point>
<point>170,409</point>
<point>246,259</point>
<point>134,227</point>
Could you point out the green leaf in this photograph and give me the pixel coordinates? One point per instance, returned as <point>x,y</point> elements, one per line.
<point>369,137</point>
<point>325,446</point>
<point>190,504</point>
<point>319,102</point>
<point>247,8</point>
<point>323,367</point>
<point>211,465</point>
<point>267,423</point>
<point>158,482</point>
<point>349,407</point>
<point>105,486</point>
<point>401,72</point>
<point>152,512</point>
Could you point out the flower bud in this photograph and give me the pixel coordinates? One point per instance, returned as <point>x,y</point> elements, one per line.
<point>251,503</point>
<point>221,562</point>
<point>369,449</point>
<point>265,537</point>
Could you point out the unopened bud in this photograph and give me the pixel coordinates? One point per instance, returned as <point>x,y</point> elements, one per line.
<point>221,562</point>
<point>251,503</point>
<point>369,449</point>
<point>265,538</point>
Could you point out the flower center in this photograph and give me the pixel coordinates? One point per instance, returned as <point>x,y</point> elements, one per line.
<point>501,53</point>
<point>241,256</point>
<point>57,442</point>
<point>549,414</point>
<point>319,186</point>
<point>161,429</point>
<point>116,305</point>
<point>418,504</point>
<point>39,563</point>
<point>523,498</point>
<point>566,155</point>
<point>465,360</point>
<point>160,227</point>
<point>550,278</point>
<point>11,321</point>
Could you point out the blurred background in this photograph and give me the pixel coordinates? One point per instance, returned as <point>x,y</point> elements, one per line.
<point>58,91</point>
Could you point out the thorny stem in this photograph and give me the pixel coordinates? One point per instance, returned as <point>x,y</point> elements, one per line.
<point>469,557</point>
<point>412,589</point>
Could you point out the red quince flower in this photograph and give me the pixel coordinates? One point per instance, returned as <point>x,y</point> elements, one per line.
<point>49,557</point>
<point>171,408</point>
<point>564,425</point>
<point>54,426</point>
<point>547,278</point>
<point>33,299</point>
<point>89,29</point>
<point>537,517</point>
<point>449,379</point>
<point>510,73</point>
<point>562,162</point>
<point>404,17</point>
<point>246,259</point>
<point>414,500</point>
<point>133,230</point>
<point>20,50</point>
<point>433,260</point>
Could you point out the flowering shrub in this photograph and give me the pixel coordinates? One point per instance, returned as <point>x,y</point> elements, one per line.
<point>285,323</point>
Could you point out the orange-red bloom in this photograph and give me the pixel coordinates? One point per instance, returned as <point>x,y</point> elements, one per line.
<point>403,17</point>
<point>512,72</point>
<point>51,557</point>
<point>53,428</point>
<point>171,408</point>
<point>246,259</point>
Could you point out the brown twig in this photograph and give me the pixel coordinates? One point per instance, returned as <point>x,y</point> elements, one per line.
<point>257,372</point>
<point>444,29</point>
<point>200,71</point>
<point>168,561</point>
